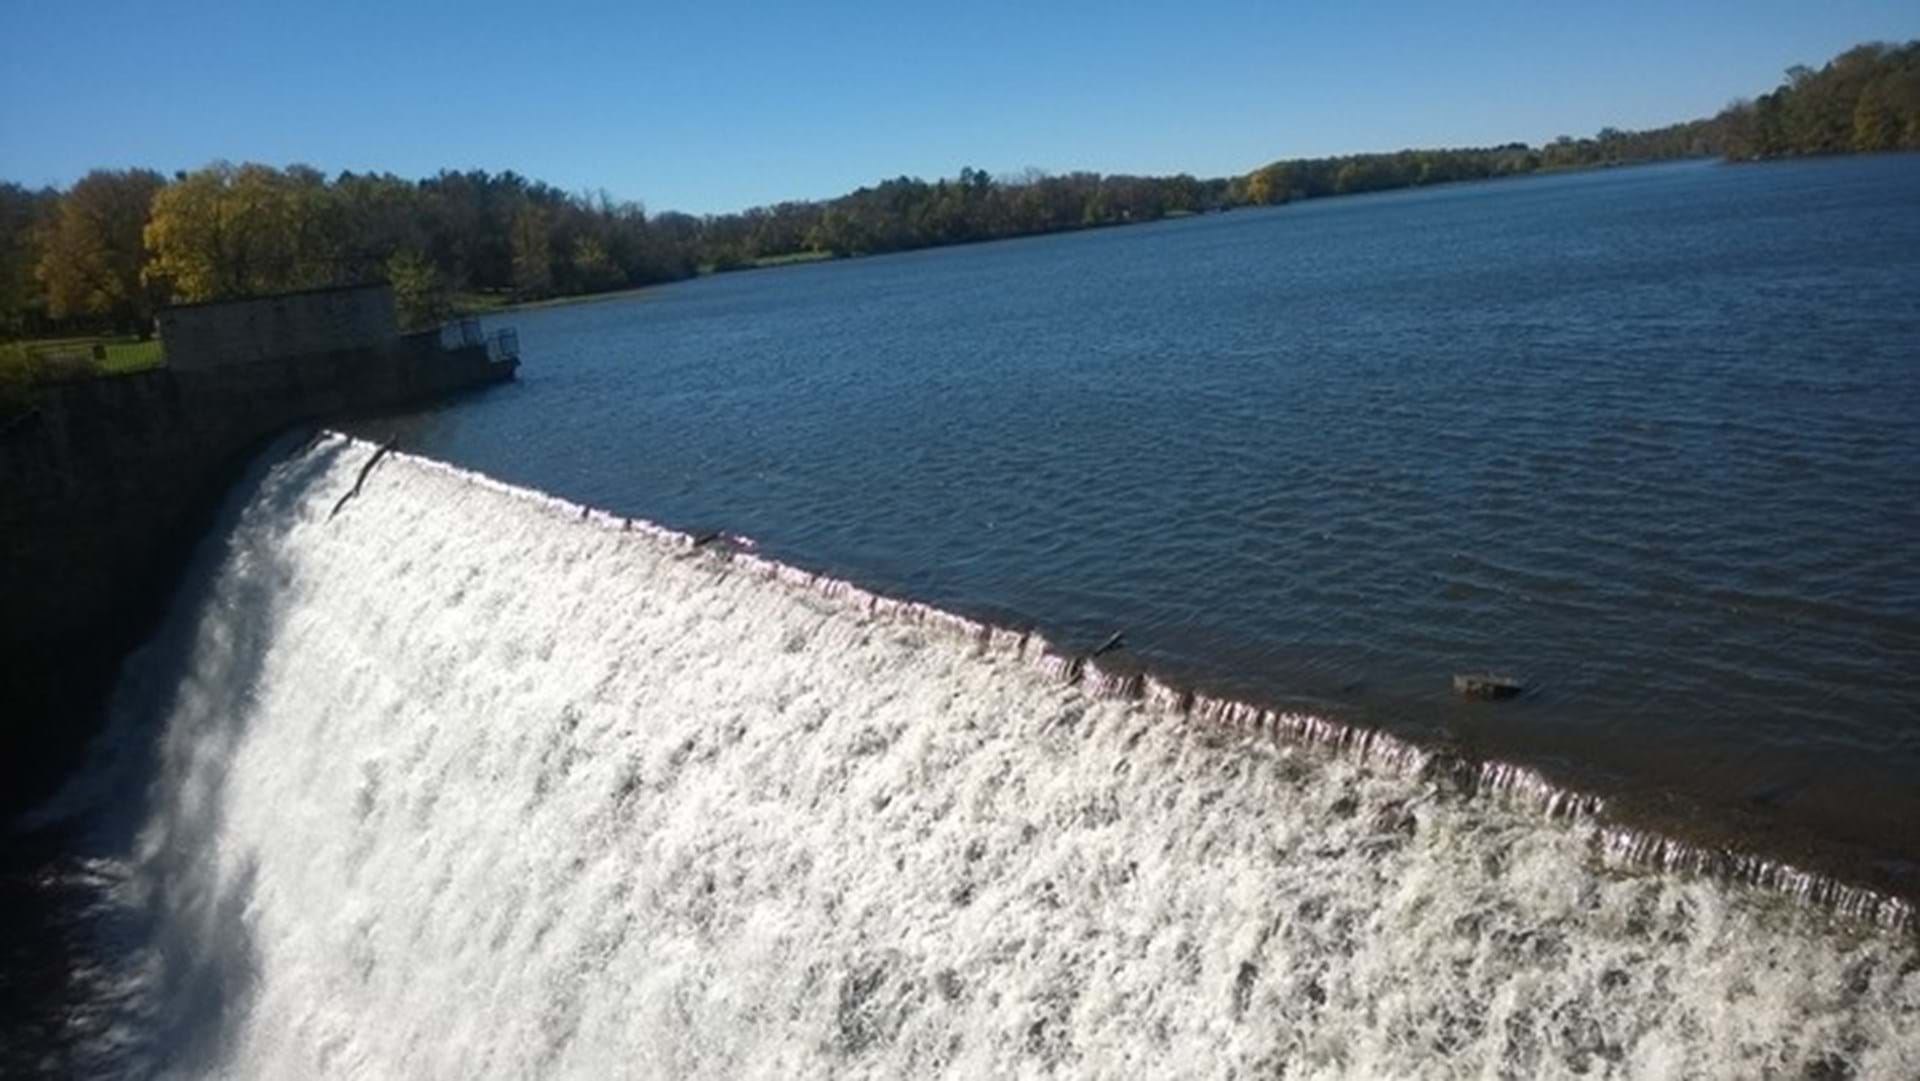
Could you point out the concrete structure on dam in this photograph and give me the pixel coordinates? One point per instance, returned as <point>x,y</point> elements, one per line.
<point>110,480</point>
<point>225,333</point>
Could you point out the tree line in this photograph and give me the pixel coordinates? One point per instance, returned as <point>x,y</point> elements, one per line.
<point>118,244</point>
<point>1867,99</point>
<point>108,251</point>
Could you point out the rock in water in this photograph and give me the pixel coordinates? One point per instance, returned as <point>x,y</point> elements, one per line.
<point>1487,685</point>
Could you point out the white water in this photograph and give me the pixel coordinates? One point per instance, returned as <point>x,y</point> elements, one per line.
<point>457,783</point>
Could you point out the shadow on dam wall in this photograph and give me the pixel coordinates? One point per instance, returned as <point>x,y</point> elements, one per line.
<point>108,482</point>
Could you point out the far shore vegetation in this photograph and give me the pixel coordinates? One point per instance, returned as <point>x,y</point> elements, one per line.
<point>82,271</point>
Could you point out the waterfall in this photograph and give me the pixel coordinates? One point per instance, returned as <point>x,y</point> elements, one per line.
<point>465,780</point>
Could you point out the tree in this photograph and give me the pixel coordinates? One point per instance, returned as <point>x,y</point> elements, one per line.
<point>1876,118</point>
<point>592,267</point>
<point>1887,116</point>
<point>1867,98</point>
<point>23,231</point>
<point>1267,186</point>
<point>224,231</point>
<point>532,253</point>
<point>378,217</point>
<point>194,251</point>
<point>94,257</point>
<point>419,292</point>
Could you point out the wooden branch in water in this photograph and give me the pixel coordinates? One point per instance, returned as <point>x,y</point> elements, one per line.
<point>389,445</point>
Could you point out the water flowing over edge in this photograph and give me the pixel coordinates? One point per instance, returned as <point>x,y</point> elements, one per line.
<point>1617,845</point>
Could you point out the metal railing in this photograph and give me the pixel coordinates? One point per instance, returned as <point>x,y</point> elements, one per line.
<point>502,344</point>
<point>462,334</point>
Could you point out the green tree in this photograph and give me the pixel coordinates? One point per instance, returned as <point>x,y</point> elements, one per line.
<point>375,218</point>
<point>592,267</point>
<point>93,258</point>
<point>1876,118</point>
<point>532,253</point>
<point>420,297</point>
<point>1867,98</point>
<point>23,232</point>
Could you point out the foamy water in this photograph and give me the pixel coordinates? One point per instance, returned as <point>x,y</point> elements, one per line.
<point>465,781</point>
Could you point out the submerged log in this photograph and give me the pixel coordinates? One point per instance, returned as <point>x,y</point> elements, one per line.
<point>1486,685</point>
<point>385,448</point>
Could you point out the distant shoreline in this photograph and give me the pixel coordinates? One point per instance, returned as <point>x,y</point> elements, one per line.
<point>470,305</point>
<point>475,304</point>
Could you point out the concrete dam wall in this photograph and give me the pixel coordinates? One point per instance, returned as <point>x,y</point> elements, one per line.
<point>108,483</point>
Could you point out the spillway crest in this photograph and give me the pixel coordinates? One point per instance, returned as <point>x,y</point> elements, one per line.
<point>454,780</point>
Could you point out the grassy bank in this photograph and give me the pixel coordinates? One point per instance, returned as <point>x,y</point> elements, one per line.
<point>103,356</point>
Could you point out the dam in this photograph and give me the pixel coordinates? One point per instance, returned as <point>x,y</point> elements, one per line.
<point>466,779</point>
<point>111,480</point>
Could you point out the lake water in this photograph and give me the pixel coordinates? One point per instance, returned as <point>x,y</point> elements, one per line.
<point>1647,438</point>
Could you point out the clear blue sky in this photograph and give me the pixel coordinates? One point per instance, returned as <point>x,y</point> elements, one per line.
<point>717,106</point>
